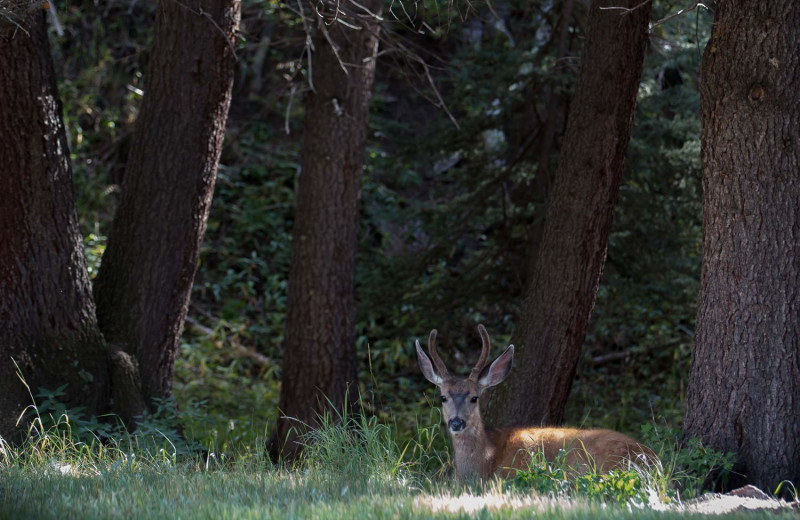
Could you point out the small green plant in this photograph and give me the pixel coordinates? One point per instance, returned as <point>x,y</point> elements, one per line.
<point>556,478</point>
<point>544,476</point>
<point>620,486</point>
<point>687,468</point>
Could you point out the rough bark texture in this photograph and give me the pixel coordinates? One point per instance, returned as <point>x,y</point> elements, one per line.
<point>142,289</point>
<point>319,364</point>
<point>47,320</point>
<point>556,104</point>
<point>744,385</point>
<point>556,309</point>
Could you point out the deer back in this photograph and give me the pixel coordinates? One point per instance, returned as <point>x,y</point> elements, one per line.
<point>585,450</point>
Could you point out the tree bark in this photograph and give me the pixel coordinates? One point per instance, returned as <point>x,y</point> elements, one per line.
<point>143,287</point>
<point>744,388</point>
<point>559,301</point>
<point>556,108</point>
<point>47,316</point>
<point>319,364</point>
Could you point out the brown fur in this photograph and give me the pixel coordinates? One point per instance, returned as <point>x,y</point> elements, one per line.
<point>586,450</point>
<point>481,452</point>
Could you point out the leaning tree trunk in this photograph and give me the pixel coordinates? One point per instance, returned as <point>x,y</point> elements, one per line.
<point>744,385</point>
<point>47,320</point>
<point>572,251</point>
<point>319,363</point>
<point>556,105</point>
<point>142,289</point>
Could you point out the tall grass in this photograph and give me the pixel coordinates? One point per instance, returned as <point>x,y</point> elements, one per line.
<point>355,450</point>
<point>351,468</point>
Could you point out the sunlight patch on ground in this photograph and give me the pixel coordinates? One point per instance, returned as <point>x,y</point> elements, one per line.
<point>715,504</point>
<point>491,501</point>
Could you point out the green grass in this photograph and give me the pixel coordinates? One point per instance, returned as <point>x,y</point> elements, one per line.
<point>351,469</point>
<point>189,492</point>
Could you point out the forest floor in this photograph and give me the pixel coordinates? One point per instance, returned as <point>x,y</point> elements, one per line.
<point>64,491</point>
<point>350,468</point>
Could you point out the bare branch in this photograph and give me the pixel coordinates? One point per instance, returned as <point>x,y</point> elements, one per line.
<point>682,11</point>
<point>334,47</point>
<point>626,10</point>
<point>309,47</point>
<point>347,24</point>
<point>374,15</point>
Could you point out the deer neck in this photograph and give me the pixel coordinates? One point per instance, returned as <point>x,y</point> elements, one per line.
<point>474,454</point>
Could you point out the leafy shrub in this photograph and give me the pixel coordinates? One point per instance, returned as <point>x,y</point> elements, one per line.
<point>623,487</point>
<point>687,468</point>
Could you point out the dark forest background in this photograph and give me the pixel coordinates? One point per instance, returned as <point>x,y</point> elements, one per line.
<point>450,204</point>
<point>225,223</point>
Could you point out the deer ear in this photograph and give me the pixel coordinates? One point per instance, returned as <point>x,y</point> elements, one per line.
<point>427,367</point>
<point>496,373</point>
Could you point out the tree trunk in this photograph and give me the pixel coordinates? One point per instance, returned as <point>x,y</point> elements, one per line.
<point>47,317</point>
<point>744,387</point>
<point>319,363</point>
<point>143,287</point>
<point>559,300</point>
<point>556,108</point>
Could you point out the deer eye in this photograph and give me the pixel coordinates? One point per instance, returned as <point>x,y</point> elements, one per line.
<point>474,399</point>
<point>444,399</point>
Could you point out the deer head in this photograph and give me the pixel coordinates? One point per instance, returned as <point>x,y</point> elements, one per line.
<point>461,395</point>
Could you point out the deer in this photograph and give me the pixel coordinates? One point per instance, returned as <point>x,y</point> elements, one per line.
<point>481,452</point>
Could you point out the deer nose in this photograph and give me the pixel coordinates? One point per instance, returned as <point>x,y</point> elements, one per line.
<point>456,424</point>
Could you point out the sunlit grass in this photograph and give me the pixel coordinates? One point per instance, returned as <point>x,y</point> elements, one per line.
<point>351,469</point>
<point>188,492</point>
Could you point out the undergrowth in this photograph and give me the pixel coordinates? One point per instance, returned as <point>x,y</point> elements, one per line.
<point>682,471</point>
<point>352,454</point>
<point>351,468</point>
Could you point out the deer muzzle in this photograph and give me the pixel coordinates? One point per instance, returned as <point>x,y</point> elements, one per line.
<point>456,425</point>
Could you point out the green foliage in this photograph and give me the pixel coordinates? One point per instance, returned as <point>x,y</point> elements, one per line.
<point>54,429</point>
<point>623,487</point>
<point>94,246</point>
<point>446,215</point>
<point>233,395</point>
<point>544,476</point>
<point>354,452</point>
<point>683,471</point>
<point>100,59</point>
<point>230,357</point>
<point>351,469</point>
<point>687,468</point>
<point>428,450</point>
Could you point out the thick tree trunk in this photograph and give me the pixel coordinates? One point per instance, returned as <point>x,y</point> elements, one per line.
<point>556,104</point>
<point>319,364</point>
<point>47,319</point>
<point>143,287</point>
<point>556,309</point>
<point>744,385</point>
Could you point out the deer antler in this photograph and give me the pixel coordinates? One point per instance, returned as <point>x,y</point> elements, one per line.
<point>435,355</point>
<point>485,348</point>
